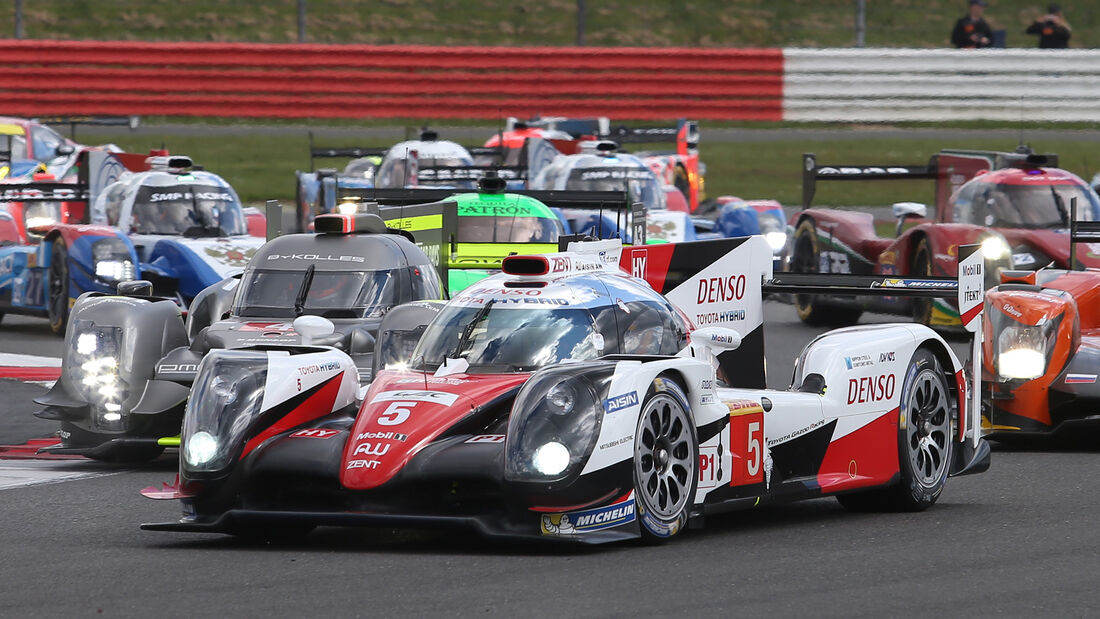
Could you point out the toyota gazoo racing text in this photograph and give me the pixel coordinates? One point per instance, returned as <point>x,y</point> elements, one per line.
<point>565,398</point>
<point>130,358</point>
<point>1016,205</point>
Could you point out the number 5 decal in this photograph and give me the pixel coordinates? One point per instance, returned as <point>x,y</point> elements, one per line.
<point>396,413</point>
<point>747,444</point>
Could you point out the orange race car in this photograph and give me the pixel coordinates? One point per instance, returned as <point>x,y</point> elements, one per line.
<point>1041,351</point>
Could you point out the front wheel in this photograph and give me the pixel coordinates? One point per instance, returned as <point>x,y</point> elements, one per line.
<point>57,306</point>
<point>924,441</point>
<point>666,454</point>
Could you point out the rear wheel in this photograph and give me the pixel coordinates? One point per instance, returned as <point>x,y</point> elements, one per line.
<point>922,267</point>
<point>57,305</point>
<point>924,442</point>
<point>813,309</point>
<point>666,453</point>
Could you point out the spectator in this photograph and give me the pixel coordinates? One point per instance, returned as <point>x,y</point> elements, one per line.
<point>1052,28</point>
<point>971,30</point>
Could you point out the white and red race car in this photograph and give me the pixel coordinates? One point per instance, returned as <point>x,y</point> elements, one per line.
<point>566,398</point>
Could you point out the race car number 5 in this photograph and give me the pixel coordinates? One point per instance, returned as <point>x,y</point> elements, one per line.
<point>396,413</point>
<point>747,433</point>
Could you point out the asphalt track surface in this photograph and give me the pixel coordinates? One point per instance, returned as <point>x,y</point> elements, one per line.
<point>1020,540</point>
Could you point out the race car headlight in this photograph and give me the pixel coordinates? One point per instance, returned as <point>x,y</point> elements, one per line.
<point>1022,351</point>
<point>92,367</point>
<point>554,424</point>
<point>994,248</point>
<point>112,260</point>
<point>224,402</point>
<point>38,215</point>
<point>347,208</point>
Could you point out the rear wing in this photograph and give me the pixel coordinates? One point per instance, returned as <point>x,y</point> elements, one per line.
<point>345,152</point>
<point>48,191</point>
<point>950,168</point>
<point>101,121</point>
<point>1080,232</point>
<point>685,134</point>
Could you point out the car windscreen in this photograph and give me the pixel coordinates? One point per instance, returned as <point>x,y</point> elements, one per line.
<point>1023,206</point>
<point>331,294</point>
<point>187,209</point>
<point>640,183</point>
<point>503,229</point>
<point>504,338</point>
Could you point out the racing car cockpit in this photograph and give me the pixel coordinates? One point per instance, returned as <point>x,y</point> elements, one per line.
<point>1005,201</point>
<point>430,153</point>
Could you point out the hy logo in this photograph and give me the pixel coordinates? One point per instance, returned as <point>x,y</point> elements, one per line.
<point>638,263</point>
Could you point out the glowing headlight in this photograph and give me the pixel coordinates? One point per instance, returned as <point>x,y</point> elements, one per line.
<point>994,248</point>
<point>201,448</point>
<point>347,208</point>
<point>86,343</point>
<point>1021,363</point>
<point>776,240</point>
<point>1021,352</point>
<point>118,270</point>
<point>551,458</point>
<point>561,398</point>
<point>40,222</point>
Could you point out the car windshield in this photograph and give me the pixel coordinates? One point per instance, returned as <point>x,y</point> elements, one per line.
<point>46,142</point>
<point>505,338</point>
<point>641,183</point>
<point>480,229</point>
<point>187,209</point>
<point>1023,206</point>
<point>332,294</point>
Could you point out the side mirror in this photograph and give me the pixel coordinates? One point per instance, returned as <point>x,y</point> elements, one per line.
<point>400,332</point>
<point>908,210</point>
<point>709,342</point>
<point>313,327</point>
<point>65,150</point>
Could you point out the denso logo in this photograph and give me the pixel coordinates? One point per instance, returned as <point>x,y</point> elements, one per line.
<point>716,289</point>
<point>871,388</point>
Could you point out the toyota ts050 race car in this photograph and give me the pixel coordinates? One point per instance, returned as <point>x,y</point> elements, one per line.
<point>1041,355</point>
<point>565,399</point>
<point>130,358</point>
<point>493,223</point>
<point>1013,204</point>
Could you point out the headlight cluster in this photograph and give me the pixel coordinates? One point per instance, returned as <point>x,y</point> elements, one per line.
<point>93,367</point>
<point>1022,350</point>
<point>554,424</point>
<point>37,215</point>
<point>112,260</point>
<point>774,232</point>
<point>995,248</point>
<point>225,399</point>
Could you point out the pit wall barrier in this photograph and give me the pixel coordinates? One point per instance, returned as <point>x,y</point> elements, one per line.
<point>46,78</point>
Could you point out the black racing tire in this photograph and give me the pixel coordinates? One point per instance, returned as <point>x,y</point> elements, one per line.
<point>57,305</point>
<point>925,440</point>
<point>813,310</point>
<point>666,457</point>
<point>921,266</point>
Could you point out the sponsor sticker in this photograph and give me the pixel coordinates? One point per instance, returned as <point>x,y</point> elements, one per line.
<point>619,402</point>
<point>486,438</point>
<point>315,433</point>
<point>1080,378</point>
<point>871,388</point>
<point>417,395</point>
<point>588,520</point>
<point>381,436</point>
<point>858,361</point>
<point>884,357</point>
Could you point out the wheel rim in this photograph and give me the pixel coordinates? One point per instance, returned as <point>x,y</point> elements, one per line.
<point>58,290</point>
<point>928,432</point>
<point>664,462</point>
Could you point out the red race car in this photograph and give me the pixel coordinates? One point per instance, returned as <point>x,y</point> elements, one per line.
<point>1041,354</point>
<point>1016,205</point>
<point>680,168</point>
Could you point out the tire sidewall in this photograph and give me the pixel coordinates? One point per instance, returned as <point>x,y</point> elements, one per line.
<point>59,259</point>
<point>652,527</point>
<point>920,495</point>
<point>803,304</point>
<point>922,308</point>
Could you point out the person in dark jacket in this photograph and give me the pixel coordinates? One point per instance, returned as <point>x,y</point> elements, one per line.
<point>1052,28</point>
<point>972,30</point>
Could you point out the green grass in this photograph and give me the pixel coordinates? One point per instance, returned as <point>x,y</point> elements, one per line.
<point>712,23</point>
<point>262,167</point>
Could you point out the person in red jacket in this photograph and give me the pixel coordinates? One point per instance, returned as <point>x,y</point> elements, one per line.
<point>972,30</point>
<point>1052,28</point>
